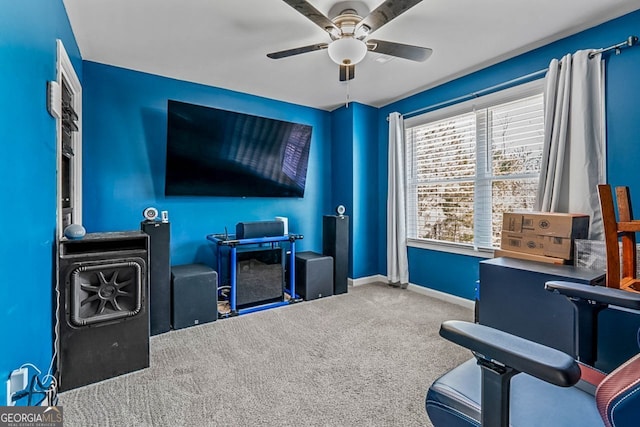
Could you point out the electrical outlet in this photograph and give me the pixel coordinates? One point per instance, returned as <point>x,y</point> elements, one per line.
<point>18,381</point>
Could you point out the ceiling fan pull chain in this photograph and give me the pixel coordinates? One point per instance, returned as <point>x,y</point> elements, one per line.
<point>347,100</point>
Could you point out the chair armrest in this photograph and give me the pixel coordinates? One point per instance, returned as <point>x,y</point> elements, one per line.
<point>545,363</point>
<point>599,294</point>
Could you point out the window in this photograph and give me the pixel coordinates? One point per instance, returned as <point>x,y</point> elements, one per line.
<point>469,163</point>
<point>69,143</point>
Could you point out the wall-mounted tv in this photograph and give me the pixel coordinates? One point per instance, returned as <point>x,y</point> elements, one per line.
<point>215,152</point>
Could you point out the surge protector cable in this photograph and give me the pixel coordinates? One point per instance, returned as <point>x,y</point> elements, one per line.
<point>56,339</point>
<point>37,386</point>
<point>50,391</point>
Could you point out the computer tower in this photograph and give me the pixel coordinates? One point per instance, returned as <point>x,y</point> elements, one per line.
<point>335,243</point>
<point>159,275</point>
<point>194,292</point>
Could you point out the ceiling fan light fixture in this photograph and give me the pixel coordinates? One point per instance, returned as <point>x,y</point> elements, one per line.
<point>334,32</point>
<point>361,32</point>
<point>347,51</point>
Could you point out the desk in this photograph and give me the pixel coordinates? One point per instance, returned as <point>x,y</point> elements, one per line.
<point>513,299</point>
<point>229,241</point>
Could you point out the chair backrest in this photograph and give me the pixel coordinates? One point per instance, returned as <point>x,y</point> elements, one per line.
<point>618,395</point>
<point>625,228</point>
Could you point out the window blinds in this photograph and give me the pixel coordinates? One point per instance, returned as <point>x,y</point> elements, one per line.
<point>465,170</point>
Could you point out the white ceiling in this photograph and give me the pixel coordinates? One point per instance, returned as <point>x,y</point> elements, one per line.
<point>224,43</point>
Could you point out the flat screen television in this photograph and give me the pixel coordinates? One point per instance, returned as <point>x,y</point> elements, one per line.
<point>215,152</point>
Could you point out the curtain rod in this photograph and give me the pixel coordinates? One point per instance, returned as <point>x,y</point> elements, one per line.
<point>631,41</point>
<point>477,94</point>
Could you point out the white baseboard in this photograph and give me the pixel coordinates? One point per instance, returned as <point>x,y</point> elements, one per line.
<point>377,278</point>
<point>442,296</point>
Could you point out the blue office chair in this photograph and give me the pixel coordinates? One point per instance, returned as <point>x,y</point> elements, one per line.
<point>514,381</point>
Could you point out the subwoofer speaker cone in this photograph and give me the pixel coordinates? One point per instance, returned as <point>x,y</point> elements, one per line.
<point>102,292</point>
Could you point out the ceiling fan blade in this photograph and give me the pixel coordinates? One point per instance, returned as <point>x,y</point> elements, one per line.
<point>347,72</point>
<point>313,14</point>
<point>297,51</point>
<point>414,53</point>
<point>387,11</point>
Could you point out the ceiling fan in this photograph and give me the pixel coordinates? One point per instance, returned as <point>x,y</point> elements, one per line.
<point>349,34</point>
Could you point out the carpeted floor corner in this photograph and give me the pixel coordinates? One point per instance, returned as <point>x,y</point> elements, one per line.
<point>365,358</point>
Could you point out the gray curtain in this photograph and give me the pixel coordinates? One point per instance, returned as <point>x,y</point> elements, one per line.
<point>573,158</point>
<point>397,263</point>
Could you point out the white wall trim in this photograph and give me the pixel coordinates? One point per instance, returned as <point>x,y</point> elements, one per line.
<point>452,248</point>
<point>376,278</point>
<point>66,72</point>
<point>443,296</point>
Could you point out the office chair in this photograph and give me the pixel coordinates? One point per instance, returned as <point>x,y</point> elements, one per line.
<point>514,381</point>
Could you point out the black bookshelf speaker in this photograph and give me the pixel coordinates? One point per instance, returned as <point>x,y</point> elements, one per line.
<point>159,275</point>
<point>335,243</point>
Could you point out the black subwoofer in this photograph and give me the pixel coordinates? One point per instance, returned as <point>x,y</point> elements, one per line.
<point>314,275</point>
<point>335,243</point>
<point>259,276</point>
<point>102,306</point>
<point>194,292</point>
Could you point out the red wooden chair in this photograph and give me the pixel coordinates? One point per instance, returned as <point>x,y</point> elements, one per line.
<point>624,228</point>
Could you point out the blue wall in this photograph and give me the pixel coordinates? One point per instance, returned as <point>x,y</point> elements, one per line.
<point>457,274</point>
<point>342,158</point>
<point>342,169</point>
<point>366,232</point>
<point>124,137</point>
<point>124,162</point>
<point>28,33</point>
<point>354,182</point>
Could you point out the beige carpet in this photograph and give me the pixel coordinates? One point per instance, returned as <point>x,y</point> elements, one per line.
<point>365,358</point>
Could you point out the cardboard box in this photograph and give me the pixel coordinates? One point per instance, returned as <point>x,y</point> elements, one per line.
<point>530,257</point>
<point>551,246</point>
<point>574,226</point>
